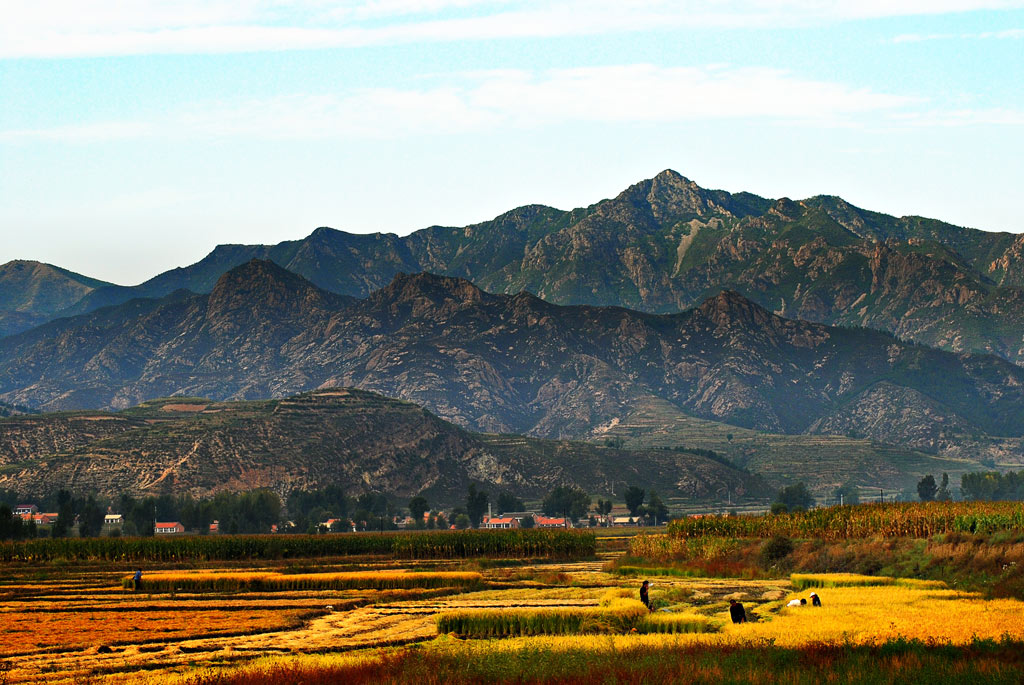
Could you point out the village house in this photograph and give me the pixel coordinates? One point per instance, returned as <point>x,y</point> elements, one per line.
<point>502,522</point>
<point>168,528</point>
<point>624,520</point>
<point>111,520</point>
<point>23,509</point>
<point>45,519</point>
<point>547,522</point>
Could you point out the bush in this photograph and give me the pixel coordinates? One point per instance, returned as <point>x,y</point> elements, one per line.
<point>775,550</point>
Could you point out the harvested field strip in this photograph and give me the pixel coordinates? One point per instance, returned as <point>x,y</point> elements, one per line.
<point>34,632</point>
<point>229,581</point>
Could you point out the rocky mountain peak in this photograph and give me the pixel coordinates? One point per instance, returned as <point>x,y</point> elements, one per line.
<point>786,209</point>
<point>261,285</point>
<point>729,308</point>
<point>670,196</point>
<point>426,287</point>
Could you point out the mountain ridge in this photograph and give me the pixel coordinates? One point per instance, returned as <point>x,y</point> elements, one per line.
<point>509,363</point>
<point>664,245</point>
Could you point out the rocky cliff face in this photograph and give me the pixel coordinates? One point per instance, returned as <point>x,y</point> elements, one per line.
<point>335,436</point>
<point>511,363</point>
<point>664,245</point>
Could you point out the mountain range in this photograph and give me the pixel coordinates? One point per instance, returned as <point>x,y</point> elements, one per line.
<point>663,245</point>
<point>806,339</point>
<point>514,363</point>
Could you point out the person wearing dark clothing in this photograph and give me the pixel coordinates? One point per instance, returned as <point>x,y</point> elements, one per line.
<point>644,596</point>
<point>815,600</point>
<point>137,579</point>
<point>736,612</point>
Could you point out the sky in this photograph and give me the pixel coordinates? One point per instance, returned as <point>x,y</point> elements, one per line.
<point>135,135</point>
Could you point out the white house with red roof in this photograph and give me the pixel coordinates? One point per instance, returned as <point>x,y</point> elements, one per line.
<point>501,522</point>
<point>548,522</point>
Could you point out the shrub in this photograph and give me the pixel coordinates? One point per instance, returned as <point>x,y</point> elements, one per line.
<point>775,550</point>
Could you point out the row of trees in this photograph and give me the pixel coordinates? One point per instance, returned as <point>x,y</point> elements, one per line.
<point>307,510</point>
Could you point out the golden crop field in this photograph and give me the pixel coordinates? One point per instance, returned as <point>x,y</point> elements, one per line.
<point>559,621</point>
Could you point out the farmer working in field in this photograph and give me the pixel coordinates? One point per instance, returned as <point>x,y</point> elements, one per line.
<point>815,600</point>
<point>137,579</point>
<point>644,596</point>
<point>736,612</point>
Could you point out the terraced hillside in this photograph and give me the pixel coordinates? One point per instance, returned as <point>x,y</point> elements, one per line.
<point>358,440</point>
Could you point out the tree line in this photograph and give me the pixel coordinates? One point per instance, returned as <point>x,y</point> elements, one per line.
<point>304,511</point>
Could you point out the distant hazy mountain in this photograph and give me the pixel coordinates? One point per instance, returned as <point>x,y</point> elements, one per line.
<point>357,440</point>
<point>512,363</point>
<point>32,292</point>
<point>666,244</point>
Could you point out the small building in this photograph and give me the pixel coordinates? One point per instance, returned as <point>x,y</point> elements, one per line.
<point>23,509</point>
<point>503,522</point>
<point>215,527</point>
<point>624,521</point>
<point>113,520</point>
<point>46,519</point>
<point>168,528</point>
<point>546,522</point>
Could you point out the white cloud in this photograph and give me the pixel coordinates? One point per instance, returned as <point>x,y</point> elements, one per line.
<point>71,28</point>
<point>507,99</point>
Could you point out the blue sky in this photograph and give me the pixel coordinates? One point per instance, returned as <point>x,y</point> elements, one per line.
<point>136,135</point>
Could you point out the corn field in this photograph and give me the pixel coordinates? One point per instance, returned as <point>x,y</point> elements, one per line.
<point>562,544</point>
<point>899,519</point>
<point>276,582</point>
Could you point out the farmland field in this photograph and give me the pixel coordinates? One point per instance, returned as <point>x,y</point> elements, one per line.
<point>374,618</point>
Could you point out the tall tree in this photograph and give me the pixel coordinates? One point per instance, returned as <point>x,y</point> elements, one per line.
<point>90,519</point>
<point>566,501</point>
<point>65,514</point>
<point>634,497</point>
<point>509,502</point>
<point>476,505</point>
<point>794,497</point>
<point>418,506</point>
<point>944,495</point>
<point>926,488</point>
<point>656,508</point>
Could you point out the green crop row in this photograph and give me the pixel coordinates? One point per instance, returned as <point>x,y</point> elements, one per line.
<point>898,519</point>
<point>619,616</point>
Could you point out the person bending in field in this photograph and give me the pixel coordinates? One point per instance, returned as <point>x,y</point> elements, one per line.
<point>736,612</point>
<point>137,579</point>
<point>645,595</point>
<point>815,599</point>
<point>797,602</point>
